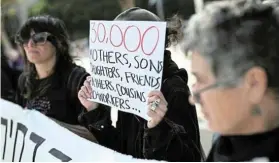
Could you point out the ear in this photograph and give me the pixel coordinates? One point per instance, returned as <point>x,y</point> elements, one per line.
<point>256,84</point>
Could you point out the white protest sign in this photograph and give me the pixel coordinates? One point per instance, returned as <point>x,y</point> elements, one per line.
<point>28,135</point>
<point>126,59</point>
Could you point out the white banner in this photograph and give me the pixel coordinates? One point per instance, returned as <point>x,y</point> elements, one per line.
<point>28,135</point>
<point>126,60</point>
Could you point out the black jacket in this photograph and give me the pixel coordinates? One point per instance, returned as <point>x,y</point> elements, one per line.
<point>9,79</point>
<point>60,101</point>
<point>176,138</point>
<point>262,147</point>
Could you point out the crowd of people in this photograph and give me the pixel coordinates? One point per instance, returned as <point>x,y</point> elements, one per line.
<point>234,52</point>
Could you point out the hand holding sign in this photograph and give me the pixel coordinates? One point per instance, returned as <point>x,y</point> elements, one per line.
<point>85,93</point>
<point>126,59</point>
<point>157,108</point>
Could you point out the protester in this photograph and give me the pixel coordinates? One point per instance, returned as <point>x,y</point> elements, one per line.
<point>173,132</point>
<point>50,81</point>
<point>235,59</point>
<point>8,78</point>
<point>9,73</point>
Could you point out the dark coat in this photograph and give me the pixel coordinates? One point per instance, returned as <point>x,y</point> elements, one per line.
<point>263,147</point>
<point>175,138</point>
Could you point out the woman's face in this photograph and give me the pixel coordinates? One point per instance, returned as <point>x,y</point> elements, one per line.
<point>227,110</point>
<point>38,49</point>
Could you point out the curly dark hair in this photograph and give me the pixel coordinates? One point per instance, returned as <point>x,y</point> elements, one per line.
<point>59,39</point>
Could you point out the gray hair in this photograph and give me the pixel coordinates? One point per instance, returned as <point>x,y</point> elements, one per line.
<point>235,36</point>
<point>271,2</point>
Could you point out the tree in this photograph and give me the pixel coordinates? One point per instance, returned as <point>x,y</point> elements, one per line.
<point>126,4</point>
<point>183,8</point>
<point>76,14</point>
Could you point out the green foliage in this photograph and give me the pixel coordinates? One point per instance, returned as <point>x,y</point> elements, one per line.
<point>77,13</point>
<point>38,7</point>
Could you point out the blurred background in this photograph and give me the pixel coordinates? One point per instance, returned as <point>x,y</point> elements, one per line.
<point>76,15</point>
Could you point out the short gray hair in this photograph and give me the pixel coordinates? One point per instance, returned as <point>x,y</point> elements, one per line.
<point>235,36</point>
<point>272,2</point>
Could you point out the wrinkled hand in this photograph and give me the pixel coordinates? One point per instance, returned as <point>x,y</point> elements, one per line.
<point>158,114</point>
<point>85,93</point>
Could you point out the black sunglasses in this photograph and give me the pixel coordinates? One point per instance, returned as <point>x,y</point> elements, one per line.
<point>37,39</point>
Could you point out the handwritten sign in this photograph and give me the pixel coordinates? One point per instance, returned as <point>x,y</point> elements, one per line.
<point>126,59</point>
<point>28,135</point>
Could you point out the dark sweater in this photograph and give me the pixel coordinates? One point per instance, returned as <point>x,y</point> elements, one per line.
<point>9,78</point>
<point>60,101</point>
<point>257,147</point>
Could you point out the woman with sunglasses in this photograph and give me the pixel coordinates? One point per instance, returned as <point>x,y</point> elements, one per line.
<point>50,80</point>
<point>172,134</point>
<point>235,59</point>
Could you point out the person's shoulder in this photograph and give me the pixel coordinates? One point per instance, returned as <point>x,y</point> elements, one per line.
<point>75,66</point>
<point>76,71</point>
<point>176,82</point>
<point>76,76</point>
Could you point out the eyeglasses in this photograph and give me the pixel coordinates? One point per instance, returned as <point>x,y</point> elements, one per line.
<point>197,94</point>
<point>37,39</point>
